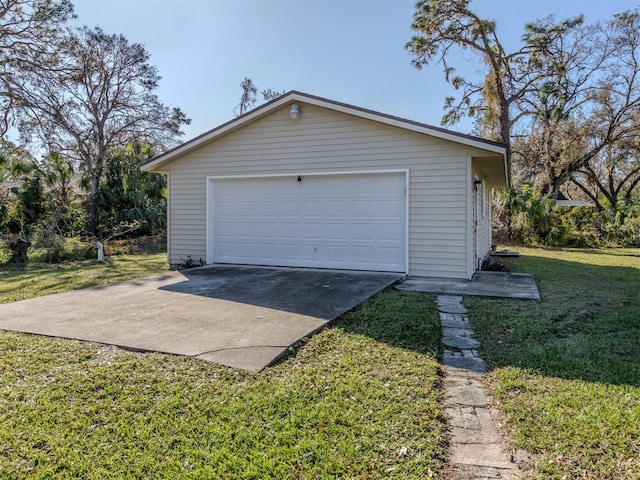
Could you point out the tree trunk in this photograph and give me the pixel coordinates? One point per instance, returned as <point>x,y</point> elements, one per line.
<point>19,248</point>
<point>93,207</point>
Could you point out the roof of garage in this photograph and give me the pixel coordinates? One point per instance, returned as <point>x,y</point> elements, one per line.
<point>493,149</point>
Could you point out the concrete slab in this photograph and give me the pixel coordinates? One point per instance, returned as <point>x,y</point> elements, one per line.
<point>483,284</point>
<point>242,317</point>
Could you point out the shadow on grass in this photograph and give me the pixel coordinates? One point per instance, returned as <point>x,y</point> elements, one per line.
<point>587,325</point>
<point>35,278</point>
<point>407,320</point>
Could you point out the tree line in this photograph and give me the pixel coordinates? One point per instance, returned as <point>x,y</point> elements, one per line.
<point>565,102</point>
<point>83,107</point>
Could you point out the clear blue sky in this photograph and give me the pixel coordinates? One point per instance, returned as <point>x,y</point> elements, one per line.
<point>350,51</point>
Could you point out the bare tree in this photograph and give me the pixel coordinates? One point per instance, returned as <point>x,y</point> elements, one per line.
<point>27,29</point>
<point>269,94</point>
<point>247,98</point>
<point>614,174</point>
<point>99,96</point>
<point>590,105</point>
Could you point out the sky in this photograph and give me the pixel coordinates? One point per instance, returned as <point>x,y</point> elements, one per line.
<point>351,51</point>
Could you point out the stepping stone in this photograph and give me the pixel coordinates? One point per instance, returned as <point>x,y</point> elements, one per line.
<point>468,395</point>
<point>456,332</point>
<point>450,320</point>
<point>473,363</point>
<point>452,308</point>
<point>491,455</point>
<point>461,343</point>
<point>451,304</point>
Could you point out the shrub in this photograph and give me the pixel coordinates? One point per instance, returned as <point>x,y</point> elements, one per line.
<point>528,217</point>
<point>134,245</point>
<point>53,248</point>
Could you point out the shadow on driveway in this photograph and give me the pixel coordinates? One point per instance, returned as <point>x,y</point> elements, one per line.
<point>243,317</point>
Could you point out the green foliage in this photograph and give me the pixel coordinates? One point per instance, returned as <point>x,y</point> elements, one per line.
<point>64,213</point>
<point>53,248</point>
<point>136,245</point>
<point>530,218</point>
<point>129,196</point>
<point>525,215</point>
<point>28,205</point>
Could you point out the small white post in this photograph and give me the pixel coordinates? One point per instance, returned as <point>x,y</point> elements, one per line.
<point>100,248</point>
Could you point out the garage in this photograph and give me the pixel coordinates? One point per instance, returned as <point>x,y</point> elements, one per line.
<point>355,221</point>
<point>306,181</point>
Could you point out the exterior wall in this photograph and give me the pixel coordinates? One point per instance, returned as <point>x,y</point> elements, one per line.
<point>322,140</point>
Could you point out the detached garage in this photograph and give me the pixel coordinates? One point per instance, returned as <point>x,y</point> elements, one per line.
<point>304,181</point>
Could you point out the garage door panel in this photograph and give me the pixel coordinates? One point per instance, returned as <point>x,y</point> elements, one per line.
<point>288,208</point>
<point>290,251</point>
<point>362,208</point>
<point>337,209</point>
<point>247,209</point>
<point>364,254</point>
<point>289,230</point>
<point>336,231</point>
<point>338,254</point>
<point>246,229</point>
<point>226,229</point>
<point>313,231</point>
<point>336,221</point>
<point>225,207</point>
<point>313,208</point>
<point>269,251</point>
<point>268,208</point>
<point>246,250</point>
<point>390,208</point>
<point>389,232</point>
<point>226,249</point>
<point>268,230</point>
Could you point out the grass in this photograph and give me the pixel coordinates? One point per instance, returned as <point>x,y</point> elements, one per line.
<point>566,370</point>
<point>32,279</point>
<point>358,400</point>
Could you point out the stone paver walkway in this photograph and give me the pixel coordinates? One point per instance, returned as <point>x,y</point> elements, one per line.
<point>477,450</point>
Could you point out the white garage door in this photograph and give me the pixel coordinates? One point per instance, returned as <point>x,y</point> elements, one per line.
<point>335,221</point>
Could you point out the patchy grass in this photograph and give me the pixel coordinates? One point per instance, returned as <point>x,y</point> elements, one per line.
<point>567,369</point>
<point>358,400</point>
<point>33,279</point>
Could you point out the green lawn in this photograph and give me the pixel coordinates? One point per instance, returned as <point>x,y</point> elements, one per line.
<point>33,279</point>
<point>566,370</point>
<point>358,400</point>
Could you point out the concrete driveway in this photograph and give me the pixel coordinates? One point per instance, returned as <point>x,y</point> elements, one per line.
<point>242,317</point>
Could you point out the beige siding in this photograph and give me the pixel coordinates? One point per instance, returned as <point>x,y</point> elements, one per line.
<point>323,140</point>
